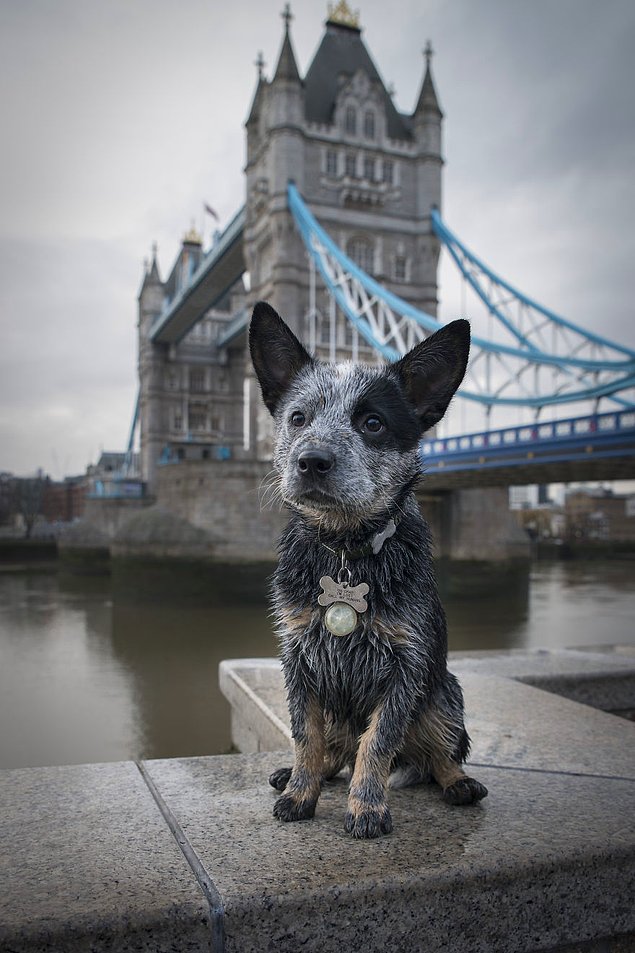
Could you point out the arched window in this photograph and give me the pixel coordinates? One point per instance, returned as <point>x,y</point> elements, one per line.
<point>401,267</point>
<point>362,253</point>
<point>350,120</point>
<point>369,124</point>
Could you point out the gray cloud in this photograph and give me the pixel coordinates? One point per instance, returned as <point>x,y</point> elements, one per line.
<point>120,119</point>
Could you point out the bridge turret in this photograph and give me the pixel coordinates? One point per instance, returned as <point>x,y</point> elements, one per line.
<point>275,154</point>
<point>253,124</point>
<point>151,361</point>
<point>427,123</point>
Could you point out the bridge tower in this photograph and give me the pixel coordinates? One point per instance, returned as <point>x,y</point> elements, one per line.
<point>370,173</point>
<point>150,361</point>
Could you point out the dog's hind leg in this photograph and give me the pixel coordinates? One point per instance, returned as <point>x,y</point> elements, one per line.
<point>439,742</point>
<point>302,789</point>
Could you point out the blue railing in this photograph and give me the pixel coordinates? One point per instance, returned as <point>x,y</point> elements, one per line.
<point>118,488</point>
<point>611,434</point>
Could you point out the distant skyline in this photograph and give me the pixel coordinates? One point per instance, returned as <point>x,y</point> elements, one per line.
<point>120,120</point>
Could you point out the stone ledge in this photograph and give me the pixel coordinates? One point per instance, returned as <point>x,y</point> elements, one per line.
<point>88,863</point>
<point>513,873</point>
<point>552,751</point>
<point>185,855</point>
<point>602,679</point>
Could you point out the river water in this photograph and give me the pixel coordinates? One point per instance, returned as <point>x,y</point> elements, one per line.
<point>105,669</point>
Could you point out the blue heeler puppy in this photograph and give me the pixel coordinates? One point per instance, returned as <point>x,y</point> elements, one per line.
<point>362,631</point>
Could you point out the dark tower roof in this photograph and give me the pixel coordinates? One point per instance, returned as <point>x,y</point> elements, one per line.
<point>342,52</point>
<point>256,102</point>
<point>151,275</point>
<point>428,100</point>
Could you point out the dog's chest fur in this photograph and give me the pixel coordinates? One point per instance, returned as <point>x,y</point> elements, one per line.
<point>401,635</point>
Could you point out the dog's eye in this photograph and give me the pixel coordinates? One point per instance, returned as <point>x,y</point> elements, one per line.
<point>373,424</point>
<point>298,419</point>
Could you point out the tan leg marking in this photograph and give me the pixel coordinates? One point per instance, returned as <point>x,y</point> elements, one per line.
<point>371,769</point>
<point>306,776</point>
<point>368,814</point>
<point>297,801</point>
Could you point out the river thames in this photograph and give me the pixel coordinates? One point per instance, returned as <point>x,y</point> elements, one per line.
<point>92,670</point>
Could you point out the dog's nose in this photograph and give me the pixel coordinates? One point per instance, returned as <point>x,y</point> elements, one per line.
<point>315,462</point>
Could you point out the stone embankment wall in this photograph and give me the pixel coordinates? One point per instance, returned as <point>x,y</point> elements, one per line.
<point>474,524</point>
<point>228,511</point>
<point>230,500</point>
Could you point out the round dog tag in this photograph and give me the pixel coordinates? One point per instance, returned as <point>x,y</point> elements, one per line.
<point>340,619</point>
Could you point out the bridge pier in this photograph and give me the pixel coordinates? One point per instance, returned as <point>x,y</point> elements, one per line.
<point>474,524</point>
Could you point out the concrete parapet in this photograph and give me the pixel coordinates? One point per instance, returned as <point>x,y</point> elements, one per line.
<point>185,855</point>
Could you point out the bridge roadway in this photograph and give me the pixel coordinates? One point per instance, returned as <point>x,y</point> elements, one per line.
<point>221,267</point>
<point>596,447</point>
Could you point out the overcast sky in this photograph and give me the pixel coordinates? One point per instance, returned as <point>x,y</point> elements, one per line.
<point>119,118</point>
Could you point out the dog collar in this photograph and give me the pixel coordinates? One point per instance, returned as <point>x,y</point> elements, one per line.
<point>372,547</point>
<point>343,601</point>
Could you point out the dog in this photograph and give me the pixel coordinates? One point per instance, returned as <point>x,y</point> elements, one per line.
<point>362,630</point>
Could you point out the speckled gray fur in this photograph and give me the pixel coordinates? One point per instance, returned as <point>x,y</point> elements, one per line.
<point>379,700</point>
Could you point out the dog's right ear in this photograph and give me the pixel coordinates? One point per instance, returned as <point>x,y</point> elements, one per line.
<point>276,353</point>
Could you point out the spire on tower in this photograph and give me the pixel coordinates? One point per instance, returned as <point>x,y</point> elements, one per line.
<point>256,102</point>
<point>287,67</point>
<point>154,267</point>
<point>151,274</point>
<point>428,101</point>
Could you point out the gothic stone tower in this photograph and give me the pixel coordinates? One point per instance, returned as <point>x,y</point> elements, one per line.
<point>369,173</point>
<point>190,393</point>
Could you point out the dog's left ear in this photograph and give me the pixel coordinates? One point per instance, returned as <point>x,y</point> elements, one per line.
<point>431,372</point>
<point>276,353</point>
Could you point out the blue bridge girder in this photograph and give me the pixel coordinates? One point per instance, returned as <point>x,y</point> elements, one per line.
<point>508,374</point>
<point>586,447</point>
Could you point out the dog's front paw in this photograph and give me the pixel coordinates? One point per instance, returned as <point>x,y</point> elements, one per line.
<point>465,791</point>
<point>280,778</point>
<point>291,808</point>
<point>367,823</point>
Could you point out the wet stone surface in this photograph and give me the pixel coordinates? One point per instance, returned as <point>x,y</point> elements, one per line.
<point>523,862</point>
<point>88,863</point>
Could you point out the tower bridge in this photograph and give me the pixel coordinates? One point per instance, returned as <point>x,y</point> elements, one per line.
<point>342,231</point>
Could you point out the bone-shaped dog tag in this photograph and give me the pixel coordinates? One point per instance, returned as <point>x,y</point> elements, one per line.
<point>342,592</point>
